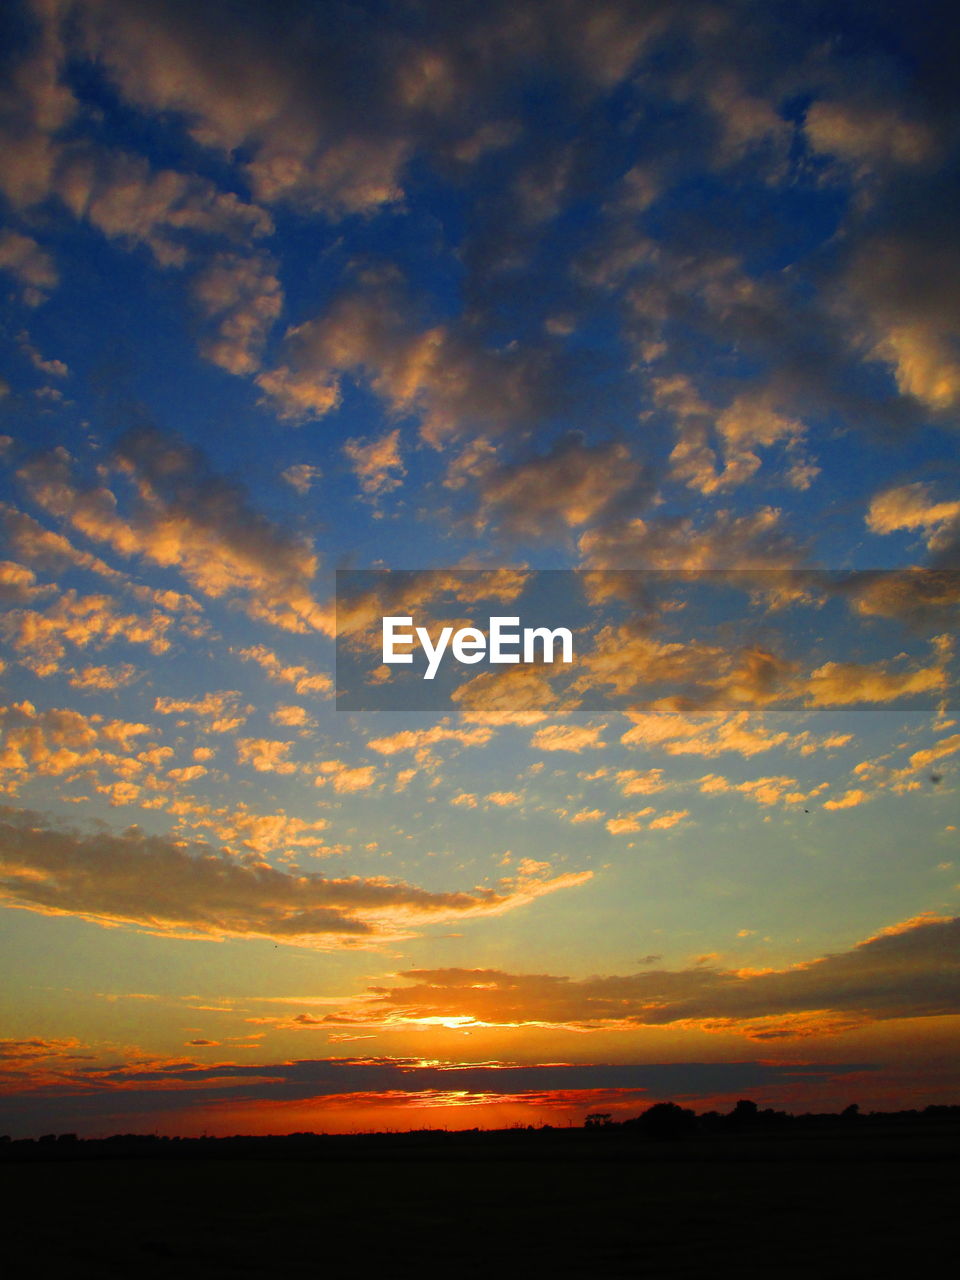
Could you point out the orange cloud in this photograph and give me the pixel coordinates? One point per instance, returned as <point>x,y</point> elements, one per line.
<point>377,465</point>
<point>565,488</point>
<point>418,739</point>
<point>187,518</point>
<point>35,269</point>
<point>849,800</point>
<point>98,678</point>
<point>301,677</point>
<point>60,741</point>
<point>243,297</point>
<point>520,695</point>
<point>912,506</point>
<point>346,778</point>
<point>266,755</point>
<point>563,737</point>
<point>702,735</point>
<point>166,887</point>
<point>218,711</point>
<point>41,637</point>
<point>910,970</point>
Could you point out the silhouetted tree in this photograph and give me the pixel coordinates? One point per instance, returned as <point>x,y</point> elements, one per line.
<point>667,1120</point>
<point>744,1113</point>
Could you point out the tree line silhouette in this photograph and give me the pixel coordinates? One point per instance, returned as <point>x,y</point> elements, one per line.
<point>663,1121</point>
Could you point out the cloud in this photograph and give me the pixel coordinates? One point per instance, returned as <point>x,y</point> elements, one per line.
<point>59,741</point>
<point>419,739</point>
<point>451,380</point>
<point>365,599</point>
<point>33,267</point>
<point>626,657</point>
<point>301,477</point>
<point>849,800</point>
<point>910,970</point>
<point>898,288</point>
<point>18,584</point>
<point>115,191</point>
<point>634,783</point>
<point>848,683</point>
<point>568,486</point>
<point>664,821</point>
<point>142,1086</point>
<point>40,638</point>
<point>504,799</point>
<point>629,823</point>
<point>920,597</point>
<point>446,92</point>
<point>912,506</point>
<point>266,755</point>
<point>625,824</point>
<point>297,396</point>
<point>346,778</point>
<point>702,735</point>
<point>49,550</point>
<point>242,295</point>
<point>377,465</point>
<point>767,791</point>
<point>293,716</point>
<point>750,422</point>
<point>309,141</point>
<point>723,541</point>
<point>927,755</point>
<point>242,829</point>
<point>567,737</point>
<point>302,677</point>
<point>187,517</point>
<point>218,711</point>
<point>126,200</point>
<point>587,815</point>
<point>100,678</point>
<point>51,368</point>
<point>719,320</point>
<point>868,134</point>
<point>165,887</point>
<point>340,143</point>
<point>521,695</point>
<point>34,105</point>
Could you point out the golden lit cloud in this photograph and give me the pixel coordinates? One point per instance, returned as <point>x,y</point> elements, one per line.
<point>377,465</point>
<point>188,519</point>
<point>910,970</point>
<point>418,739</point>
<point>303,678</point>
<point>216,711</point>
<point>164,887</point>
<point>912,506</point>
<point>346,778</point>
<point>567,737</point>
<point>265,755</point>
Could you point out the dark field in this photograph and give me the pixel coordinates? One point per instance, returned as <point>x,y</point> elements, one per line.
<point>858,1203</point>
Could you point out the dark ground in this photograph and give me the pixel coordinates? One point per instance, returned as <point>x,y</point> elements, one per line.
<point>857,1200</point>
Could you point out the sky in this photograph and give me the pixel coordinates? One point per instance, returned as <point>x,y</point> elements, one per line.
<point>635,317</point>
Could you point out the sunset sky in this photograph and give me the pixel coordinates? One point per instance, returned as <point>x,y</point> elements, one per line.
<point>634,290</point>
